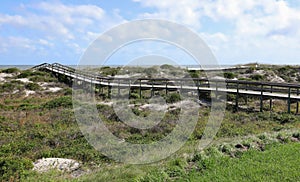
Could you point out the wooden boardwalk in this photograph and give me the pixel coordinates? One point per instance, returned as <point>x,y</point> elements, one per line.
<point>262,90</point>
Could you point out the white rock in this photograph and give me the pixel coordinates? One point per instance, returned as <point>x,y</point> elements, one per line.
<point>46,164</point>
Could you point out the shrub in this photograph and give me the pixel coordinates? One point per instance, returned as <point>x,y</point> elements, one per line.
<point>257,77</point>
<point>67,91</point>
<point>10,70</point>
<point>150,71</point>
<point>250,70</point>
<point>229,75</point>
<point>28,73</point>
<point>13,168</point>
<point>284,118</point>
<point>33,86</point>
<point>173,97</point>
<point>194,75</point>
<point>27,106</point>
<point>166,66</point>
<point>7,87</point>
<point>25,74</point>
<point>65,101</point>
<point>106,70</point>
<point>39,78</point>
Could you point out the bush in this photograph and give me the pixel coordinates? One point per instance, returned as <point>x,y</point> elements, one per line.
<point>194,74</point>
<point>10,70</point>
<point>229,75</point>
<point>13,168</point>
<point>65,101</point>
<point>250,70</point>
<point>25,74</point>
<point>106,71</point>
<point>7,87</point>
<point>38,78</point>
<point>173,97</point>
<point>167,66</point>
<point>33,86</point>
<point>28,73</point>
<point>257,77</point>
<point>150,71</point>
<point>284,118</point>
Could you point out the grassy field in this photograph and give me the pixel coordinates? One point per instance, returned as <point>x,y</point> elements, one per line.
<point>277,162</point>
<point>249,145</point>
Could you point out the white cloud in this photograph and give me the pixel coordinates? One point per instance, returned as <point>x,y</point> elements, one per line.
<point>55,27</point>
<point>186,12</point>
<point>254,29</point>
<point>56,19</point>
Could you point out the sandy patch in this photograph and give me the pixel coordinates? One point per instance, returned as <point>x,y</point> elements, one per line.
<point>106,103</point>
<point>5,75</point>
<point>54,89</point>
<point>277,79</point>
<point>29,92</point>
<point>24,80</point>
<point>154,107</point>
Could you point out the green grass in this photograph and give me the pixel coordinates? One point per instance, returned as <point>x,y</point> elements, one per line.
<point>44,126</point>
<point>277,163</point>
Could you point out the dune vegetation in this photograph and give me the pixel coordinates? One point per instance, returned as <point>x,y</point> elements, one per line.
<point>37,121</point>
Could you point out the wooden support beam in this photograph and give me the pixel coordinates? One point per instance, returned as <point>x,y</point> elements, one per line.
<point>152,89</point>
<point>198,90</point>
<point>297,108</point>
<point>271,101</point>
<point>166,87</point>
<point>140,91</point>
<point>118,88</point>
<point>237,98</point>
<point>108,90</point>
<point>289,101</point>
<point>261,98</point>
<point>181,91</point>
<point>129,91</point>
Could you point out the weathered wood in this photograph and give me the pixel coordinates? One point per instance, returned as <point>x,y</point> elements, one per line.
<point>261,99</point>
<point>140,89</point>
<point>297,108</point>
<point>289,100</point>
<point>243,88</point>
<point>271,101</point>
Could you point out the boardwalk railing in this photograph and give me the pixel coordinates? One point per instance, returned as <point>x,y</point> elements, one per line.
<point>262,90</point>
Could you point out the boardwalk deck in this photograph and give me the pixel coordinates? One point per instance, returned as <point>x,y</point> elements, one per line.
<point>263,90</point>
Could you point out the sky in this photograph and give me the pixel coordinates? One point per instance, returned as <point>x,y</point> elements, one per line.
<point>237,32</point>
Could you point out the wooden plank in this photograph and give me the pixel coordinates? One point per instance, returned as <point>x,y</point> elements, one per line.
<point>261,99</point>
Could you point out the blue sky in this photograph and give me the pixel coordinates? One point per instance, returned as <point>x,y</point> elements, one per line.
<point>266,31</point>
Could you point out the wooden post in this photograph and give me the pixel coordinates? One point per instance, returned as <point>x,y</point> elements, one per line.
<point>297,108</point>
<point>108,89</point>
<point>261,99</point>
<point>246,96</point>
<point>198,90</point>
<point>118,88</point>
<point>129,92</point>
<point>271,102</point>
<point>237,97</point>
<point>181,87</point>
<point>101,87</point>
<point>166,87</point>
<point>152,90</point>
<point>289,101</point>
<point>140,88</point>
